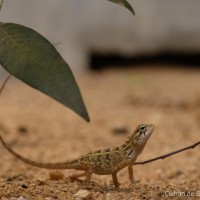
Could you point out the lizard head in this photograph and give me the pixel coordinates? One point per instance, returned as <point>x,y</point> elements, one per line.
<point>138,139</point>
<point>142,133</point>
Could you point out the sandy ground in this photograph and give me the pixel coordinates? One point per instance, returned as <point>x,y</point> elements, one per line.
<point>117,101</point>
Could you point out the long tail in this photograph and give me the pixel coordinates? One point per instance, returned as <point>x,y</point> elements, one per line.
<point>63,165</point>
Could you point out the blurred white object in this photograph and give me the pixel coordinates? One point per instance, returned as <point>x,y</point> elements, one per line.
<point>84,25</point>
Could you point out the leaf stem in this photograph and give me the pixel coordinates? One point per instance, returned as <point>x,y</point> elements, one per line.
<point>1,3</point>
<point>4,83</point>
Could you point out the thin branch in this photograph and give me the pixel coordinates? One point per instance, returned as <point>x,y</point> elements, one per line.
<point>168,154</point>
<point>4,83</point>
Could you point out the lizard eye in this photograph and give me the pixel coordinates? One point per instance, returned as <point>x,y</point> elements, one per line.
<point>142,126</point>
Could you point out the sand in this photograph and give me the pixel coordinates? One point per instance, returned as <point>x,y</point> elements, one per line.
<point>117,101</point>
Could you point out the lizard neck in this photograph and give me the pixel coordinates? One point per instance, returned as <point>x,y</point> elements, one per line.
<point>132,149</point>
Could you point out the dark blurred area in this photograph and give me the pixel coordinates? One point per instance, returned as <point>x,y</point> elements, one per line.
<point>100,61</point>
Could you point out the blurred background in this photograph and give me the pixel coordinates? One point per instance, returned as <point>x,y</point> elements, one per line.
<point>151,81</point>
<point>97,33</point>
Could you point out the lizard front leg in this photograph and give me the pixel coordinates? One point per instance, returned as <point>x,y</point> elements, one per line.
<point>116,169</point>
<point>130,172</point>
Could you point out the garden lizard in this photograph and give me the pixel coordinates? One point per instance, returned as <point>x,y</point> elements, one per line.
<point>101,162</point>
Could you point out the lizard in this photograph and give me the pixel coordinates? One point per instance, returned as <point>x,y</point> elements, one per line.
<point>101,162</point>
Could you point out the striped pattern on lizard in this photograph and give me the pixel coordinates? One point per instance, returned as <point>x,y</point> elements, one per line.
<point>101,162</point>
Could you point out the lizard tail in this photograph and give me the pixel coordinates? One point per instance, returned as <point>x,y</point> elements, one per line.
<point>63,165</point>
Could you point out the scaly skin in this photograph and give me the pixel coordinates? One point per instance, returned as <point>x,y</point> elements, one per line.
<point>102,162</point>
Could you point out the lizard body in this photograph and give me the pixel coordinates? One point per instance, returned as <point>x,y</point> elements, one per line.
<point>102,162</point>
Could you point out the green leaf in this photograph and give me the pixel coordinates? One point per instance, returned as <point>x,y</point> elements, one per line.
<point>125,4</point>
<point>30,57</point>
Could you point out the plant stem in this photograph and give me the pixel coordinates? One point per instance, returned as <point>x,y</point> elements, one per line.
<point>4,83</point>
<point>1,3</point>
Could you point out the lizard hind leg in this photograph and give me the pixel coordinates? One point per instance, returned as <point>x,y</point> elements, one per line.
<point>89,175</point>
<point>115,180</point>
<point>74,177</point>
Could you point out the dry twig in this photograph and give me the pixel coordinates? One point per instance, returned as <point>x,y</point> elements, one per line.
<point>168,154</point>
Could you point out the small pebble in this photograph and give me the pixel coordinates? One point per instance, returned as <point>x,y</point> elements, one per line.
<point>56,175</point>
<point>108,196</point>
<point>24,186</point>
<point>22,130</point>
<point>82,195</point>
<point>40,181</point>
<point>4,198</point>
<point>21,198</point>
